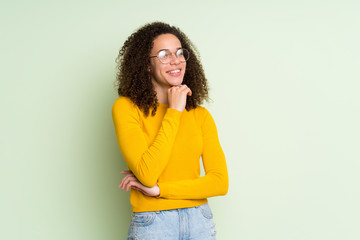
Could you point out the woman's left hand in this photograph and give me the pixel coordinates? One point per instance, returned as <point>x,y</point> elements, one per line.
<point>130,181</point>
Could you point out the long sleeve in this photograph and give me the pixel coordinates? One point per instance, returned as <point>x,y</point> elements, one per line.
<point>144,160</point>
<point>215,182</point>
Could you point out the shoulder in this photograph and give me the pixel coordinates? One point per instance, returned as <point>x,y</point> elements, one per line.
<point>123,103</point>
<point>201,114</point>
<point>201,111</point>
<point>205,120</point>
<point>123,106</point>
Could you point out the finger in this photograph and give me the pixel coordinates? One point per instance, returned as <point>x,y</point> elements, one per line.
<point>132,183</point>
<point>189,92</point>
<point>128,186</point>
<point>186,89</point>
<point>126,180</point>
<point>138,189</point>
<point>135,188</point>
<point>173,89</point>
<point>125,185</point>
<point>122,182</point>
<point>126,177</point>
<point>180,87</point>
<point>126,172</point>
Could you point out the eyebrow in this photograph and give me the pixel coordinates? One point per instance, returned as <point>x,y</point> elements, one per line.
<point>168,49</point>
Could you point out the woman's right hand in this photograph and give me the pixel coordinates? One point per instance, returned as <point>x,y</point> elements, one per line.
<point>177,97</point>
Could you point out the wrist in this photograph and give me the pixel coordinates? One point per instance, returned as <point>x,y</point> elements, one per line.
<point>157,191</point>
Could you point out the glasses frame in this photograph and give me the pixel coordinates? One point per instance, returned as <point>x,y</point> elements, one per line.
<point>173,53</point>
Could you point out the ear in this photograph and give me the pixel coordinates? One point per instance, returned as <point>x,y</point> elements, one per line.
<point>149,69</point>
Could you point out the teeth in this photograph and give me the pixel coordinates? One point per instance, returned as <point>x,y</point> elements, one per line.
<point>175,71</point>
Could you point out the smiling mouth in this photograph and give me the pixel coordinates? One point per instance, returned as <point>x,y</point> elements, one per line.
<point>174,71</point>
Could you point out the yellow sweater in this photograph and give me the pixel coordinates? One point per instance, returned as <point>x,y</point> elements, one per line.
<point>166,149</point>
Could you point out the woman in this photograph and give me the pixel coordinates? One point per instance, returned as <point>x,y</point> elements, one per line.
<point>162,132</point>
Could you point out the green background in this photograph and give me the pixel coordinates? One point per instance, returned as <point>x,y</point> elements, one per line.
<point>284,78</point>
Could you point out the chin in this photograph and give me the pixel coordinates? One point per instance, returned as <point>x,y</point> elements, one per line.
<point>176,82</point>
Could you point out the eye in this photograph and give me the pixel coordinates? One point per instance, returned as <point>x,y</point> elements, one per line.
<point>179,52</point>
<point>163,54</point>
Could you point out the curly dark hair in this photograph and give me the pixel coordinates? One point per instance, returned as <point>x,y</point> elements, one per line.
<point>133,79</point>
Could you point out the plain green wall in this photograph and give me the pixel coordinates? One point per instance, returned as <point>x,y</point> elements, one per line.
<point>284,78</point>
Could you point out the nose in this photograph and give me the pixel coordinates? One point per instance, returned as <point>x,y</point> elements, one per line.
<point>174,59</point>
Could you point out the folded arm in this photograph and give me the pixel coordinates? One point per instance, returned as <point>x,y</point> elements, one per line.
<point>145,162</point>
<point>214,183</point>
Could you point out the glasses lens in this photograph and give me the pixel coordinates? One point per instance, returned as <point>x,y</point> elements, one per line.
<point>164,56</point>
<point>182,54</point>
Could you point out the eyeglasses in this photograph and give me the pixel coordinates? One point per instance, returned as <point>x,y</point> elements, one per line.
<point>165,56</point>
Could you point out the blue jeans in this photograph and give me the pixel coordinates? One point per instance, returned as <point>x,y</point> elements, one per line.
<point>194,223</point>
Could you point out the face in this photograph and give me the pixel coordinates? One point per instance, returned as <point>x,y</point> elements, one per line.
<point>163,76</point>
